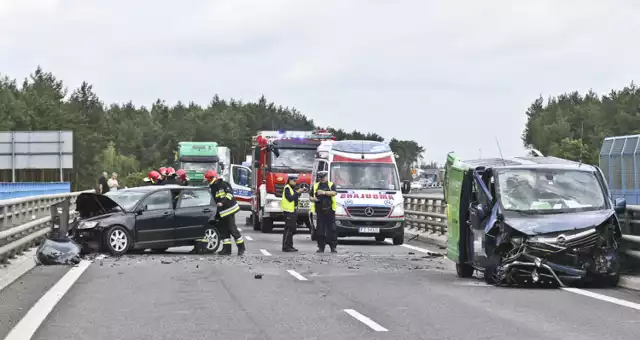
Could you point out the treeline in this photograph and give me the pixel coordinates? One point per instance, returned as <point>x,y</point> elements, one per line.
<point>573,126</point>
<point>131,139</point>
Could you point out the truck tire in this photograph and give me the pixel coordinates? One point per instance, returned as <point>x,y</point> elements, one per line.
<point>255,221</point>
<point>267,225</point>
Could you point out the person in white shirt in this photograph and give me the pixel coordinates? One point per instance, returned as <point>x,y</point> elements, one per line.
<point>113,182</point>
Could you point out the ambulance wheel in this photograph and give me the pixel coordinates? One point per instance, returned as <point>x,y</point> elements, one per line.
<point>267,225</point>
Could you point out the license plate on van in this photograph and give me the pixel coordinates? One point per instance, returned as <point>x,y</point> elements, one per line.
<point>303,203</point>
<point>367,230</point>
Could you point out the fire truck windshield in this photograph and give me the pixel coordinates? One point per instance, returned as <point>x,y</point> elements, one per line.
<point>294,159</point>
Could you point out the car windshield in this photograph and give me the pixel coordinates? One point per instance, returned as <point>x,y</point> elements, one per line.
<point>125,198</point>
<point>294,159</point>
<point>549,190</point>
<point>364,176</point>
<point>201,167</point>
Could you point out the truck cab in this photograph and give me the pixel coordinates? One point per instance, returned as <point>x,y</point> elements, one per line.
<point>196,158</point>
<point>369,199</point>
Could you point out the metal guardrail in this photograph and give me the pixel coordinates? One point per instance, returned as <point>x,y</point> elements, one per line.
<point>25,221</point>
<point>428,213</point>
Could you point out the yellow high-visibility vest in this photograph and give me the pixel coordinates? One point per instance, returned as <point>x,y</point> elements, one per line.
<point>285,204</point>
<point>333,198</point>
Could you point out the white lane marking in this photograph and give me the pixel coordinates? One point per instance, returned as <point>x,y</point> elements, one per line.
<point>29,324</point>
<point>239,229</point>
<point>249,238</point>
<point>296,275</point>
<point>422,250</point>
<point>265,252</point>
<point>365,320</point>
<point>601,297</point>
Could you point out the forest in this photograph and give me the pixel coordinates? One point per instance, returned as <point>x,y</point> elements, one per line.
<point>130,139</point>
<point>573,125</point>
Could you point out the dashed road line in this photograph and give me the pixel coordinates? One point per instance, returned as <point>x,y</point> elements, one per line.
<point>265,252</point>
<point>422,250</point>
<point>29,324</point>
<point>296,275</point>
<point>239,229</point>
<point>365,320</point>
<point>249,238</point>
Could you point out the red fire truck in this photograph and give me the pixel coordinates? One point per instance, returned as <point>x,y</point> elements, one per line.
<point>276,154</point>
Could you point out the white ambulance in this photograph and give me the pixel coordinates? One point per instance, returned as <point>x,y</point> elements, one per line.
<point>369,199</point>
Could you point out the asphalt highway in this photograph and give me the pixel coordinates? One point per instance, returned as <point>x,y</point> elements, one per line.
<point>366,291</point>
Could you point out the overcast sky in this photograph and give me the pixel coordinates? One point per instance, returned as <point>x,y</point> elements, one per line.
<point>438,72</point>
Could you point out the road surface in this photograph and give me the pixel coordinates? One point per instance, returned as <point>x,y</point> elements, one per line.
<point>366,291</point>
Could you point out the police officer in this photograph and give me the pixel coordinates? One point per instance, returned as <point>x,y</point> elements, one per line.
<point>289,204</point>
<point>324,196</point>
<point>227,208</point>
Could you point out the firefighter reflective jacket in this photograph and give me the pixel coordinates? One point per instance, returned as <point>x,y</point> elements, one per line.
<point>223,193</point>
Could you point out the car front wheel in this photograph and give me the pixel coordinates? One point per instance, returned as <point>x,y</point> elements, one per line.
<point>211,241</point>
<point>117,240</point>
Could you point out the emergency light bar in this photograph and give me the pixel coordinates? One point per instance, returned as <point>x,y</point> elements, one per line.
<point>319,134</point>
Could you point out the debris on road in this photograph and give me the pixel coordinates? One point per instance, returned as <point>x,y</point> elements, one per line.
<point>165,262</point>
<point>59,251</point>
<point>258,276</point>
<point>411,253</point>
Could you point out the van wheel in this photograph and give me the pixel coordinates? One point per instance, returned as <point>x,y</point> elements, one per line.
<point>398,240</point>
<point>464,270</point>
<point>117,240</point>
<point>267,225</point>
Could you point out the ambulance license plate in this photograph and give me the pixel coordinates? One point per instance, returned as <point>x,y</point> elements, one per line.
<point>369,230</point>
<point>304,204</point>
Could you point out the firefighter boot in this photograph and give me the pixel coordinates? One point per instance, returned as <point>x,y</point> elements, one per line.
<point>240,245</point>
<point>226,248</point>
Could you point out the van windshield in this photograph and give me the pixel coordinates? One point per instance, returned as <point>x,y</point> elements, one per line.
<point>365,176</point>
<point>549,190</point>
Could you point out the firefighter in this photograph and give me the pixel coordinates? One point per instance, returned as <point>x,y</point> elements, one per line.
<point>162,172</point>
<point>153,178</point>
<point>170,176</point>
<point>324,197</point>
<point>227,208</point>
<point>289,204</point>
<point>182,177</point>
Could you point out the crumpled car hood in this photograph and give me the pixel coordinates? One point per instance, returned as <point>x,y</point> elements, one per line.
<point>90,204</point>
<point>543,224</point>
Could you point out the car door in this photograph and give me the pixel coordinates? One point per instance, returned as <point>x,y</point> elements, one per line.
<point>194,208</point>
<point>240,179</point>
<point>479,214</point>
<point>155,218</point>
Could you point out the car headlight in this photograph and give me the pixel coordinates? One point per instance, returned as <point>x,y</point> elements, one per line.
<point>87,225</point>
<point>398,210</point>
<point>340,210</point>
<point>273,204</point>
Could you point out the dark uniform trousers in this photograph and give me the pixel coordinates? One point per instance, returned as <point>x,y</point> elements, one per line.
<point>326,232</point>
<point>290,226</point>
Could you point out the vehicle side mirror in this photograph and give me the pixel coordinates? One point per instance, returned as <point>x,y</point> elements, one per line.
<point>620,205</point>
<point>141,209</point>
<point>406,187</point>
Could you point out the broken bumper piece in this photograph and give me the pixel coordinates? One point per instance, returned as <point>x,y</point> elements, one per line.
<point>534,268</point>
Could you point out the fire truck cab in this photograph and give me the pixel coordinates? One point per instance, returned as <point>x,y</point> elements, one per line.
<point>276,155</point>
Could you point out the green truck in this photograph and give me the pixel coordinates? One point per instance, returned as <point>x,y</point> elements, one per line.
<point>196,158</point>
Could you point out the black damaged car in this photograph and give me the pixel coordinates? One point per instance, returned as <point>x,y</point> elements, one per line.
<point>152,217</point>
<point>531,220</point>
